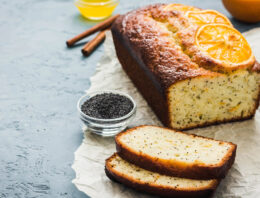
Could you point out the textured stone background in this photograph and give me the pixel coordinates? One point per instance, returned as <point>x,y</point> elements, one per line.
<point>41,81</point>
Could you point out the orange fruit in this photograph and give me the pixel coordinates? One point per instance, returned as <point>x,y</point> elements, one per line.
<point>244,10</point>
<point>203,17</point>
<point>225,45</point>
<point>179,7</point>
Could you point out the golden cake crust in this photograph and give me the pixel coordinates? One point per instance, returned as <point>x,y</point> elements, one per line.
<point>154,47</point>
<point>152,44</point>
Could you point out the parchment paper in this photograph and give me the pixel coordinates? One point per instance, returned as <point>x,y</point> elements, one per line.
<point>242,181</point>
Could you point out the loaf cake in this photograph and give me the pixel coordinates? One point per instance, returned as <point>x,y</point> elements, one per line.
<point>175,153</point>
<point>192,67</point>
<point>119,170</point>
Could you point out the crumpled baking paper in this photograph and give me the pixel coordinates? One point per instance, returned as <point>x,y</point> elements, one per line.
<point>243,179</point>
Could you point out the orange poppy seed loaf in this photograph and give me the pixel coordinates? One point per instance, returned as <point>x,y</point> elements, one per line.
<point>192,67</point>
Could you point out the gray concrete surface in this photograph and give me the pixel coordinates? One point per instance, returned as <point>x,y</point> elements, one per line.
<point>40,83</point>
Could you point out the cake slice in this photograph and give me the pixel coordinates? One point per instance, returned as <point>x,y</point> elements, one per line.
<point>119,170</point>
<point>175,153</point>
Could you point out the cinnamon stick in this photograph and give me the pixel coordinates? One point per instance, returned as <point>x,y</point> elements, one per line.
<point>92,30</point>
<point>91,45</point>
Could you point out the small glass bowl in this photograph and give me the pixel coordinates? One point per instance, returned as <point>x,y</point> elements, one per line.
<point>96,9</point>
<point>106,127</point>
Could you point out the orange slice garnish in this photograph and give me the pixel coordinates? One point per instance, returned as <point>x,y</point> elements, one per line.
<point>179,7</point>
<point>225,45</point>
<point>207,16</point>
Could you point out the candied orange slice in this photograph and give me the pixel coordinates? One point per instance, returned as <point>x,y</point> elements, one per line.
<point>179,7</point>
<point>207,16</point>
<point>225,45</point>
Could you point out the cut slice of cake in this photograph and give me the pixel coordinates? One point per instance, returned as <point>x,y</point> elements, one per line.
<point>119,170</point>
<point>175,153</point>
